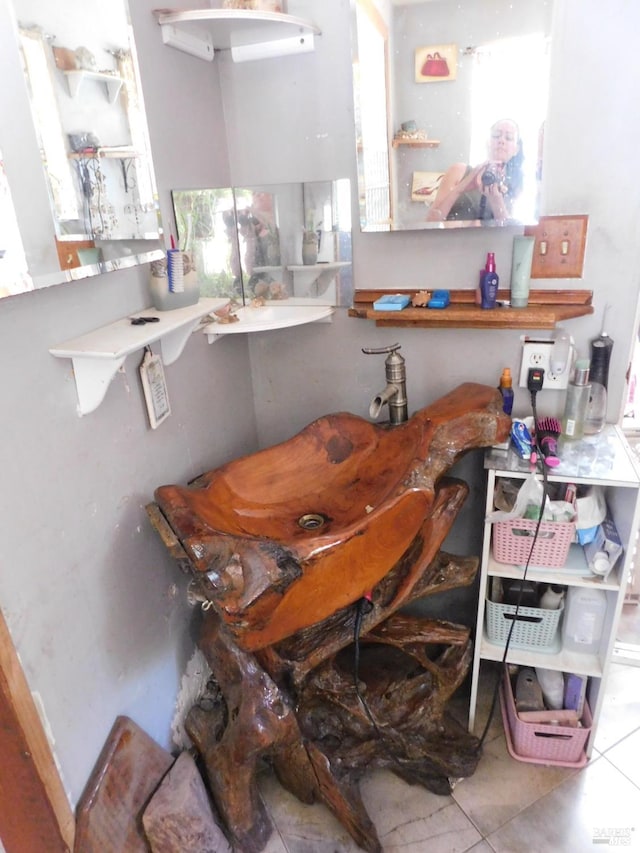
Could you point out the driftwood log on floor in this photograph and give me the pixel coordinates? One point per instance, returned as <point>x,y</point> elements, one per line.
<point>315,669</point>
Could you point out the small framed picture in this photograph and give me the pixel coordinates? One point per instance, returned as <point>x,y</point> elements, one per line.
<point>436,62</point>
<point>155,389</point>
<point>425,186</point>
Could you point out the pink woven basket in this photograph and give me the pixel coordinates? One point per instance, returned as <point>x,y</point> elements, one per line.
<point>513,542</point>
<point>543,743</point>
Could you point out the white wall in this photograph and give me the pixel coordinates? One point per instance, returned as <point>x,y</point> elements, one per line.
<point>86,587</point>
<point>96,608</point>
<point>590,139</point>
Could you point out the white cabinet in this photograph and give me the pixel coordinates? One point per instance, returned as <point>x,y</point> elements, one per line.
<point>604,460</point>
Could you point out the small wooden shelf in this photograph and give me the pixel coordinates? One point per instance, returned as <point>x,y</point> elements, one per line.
<point>546,308</point>
<point>416,143</point>
<point>112,83</point>
<point>97,356</point>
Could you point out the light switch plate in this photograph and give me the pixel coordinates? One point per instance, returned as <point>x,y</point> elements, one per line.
<point>559,247</point>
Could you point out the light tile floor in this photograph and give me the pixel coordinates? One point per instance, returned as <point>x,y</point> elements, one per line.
<point>506,806</point>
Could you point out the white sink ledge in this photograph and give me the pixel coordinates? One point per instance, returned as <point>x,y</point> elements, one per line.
<point>276,315</point>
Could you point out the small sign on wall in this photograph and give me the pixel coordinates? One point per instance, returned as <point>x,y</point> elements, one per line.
<point>155,388</point>
<point>436,62</point>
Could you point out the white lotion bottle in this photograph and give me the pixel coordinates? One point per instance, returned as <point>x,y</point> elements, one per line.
<point>551,598</point>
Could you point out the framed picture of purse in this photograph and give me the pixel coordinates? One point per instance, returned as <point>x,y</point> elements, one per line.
<point>435,63</point>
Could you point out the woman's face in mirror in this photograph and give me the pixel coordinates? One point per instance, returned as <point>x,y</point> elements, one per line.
<point>503,142</point>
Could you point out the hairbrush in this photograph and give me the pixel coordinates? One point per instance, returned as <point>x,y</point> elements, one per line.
<point>548,432</point>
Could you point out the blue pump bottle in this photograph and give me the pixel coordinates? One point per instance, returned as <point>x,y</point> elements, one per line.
<point>489,283</point>
<point>506,389</point>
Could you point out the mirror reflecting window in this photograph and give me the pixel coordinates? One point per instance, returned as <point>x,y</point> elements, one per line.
<point>276,242</point>
<point>464,98</point>
<point>14,276</point>
<point>83,130</point>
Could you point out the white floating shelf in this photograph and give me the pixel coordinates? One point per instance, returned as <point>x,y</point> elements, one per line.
<point>281,315</point>
<point>112,83</point>
<point>319,274</point>
<point>98,355</point>
<point>237,28</point>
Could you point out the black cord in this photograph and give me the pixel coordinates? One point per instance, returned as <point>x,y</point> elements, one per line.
<point>545,492</point>
<point>363,605</point>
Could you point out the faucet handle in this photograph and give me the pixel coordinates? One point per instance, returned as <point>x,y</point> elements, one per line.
<point>380,350</point>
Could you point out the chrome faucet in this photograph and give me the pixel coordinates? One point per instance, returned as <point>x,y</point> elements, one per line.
<point>395,394</point>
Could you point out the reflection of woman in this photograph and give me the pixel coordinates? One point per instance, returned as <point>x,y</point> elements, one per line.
<point>487,191</point>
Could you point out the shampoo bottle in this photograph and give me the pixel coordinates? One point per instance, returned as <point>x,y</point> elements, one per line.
<point>489,283</point>
<point>506,389</point>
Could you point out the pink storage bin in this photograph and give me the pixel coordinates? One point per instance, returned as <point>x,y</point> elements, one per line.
<point>543,743</point>
<point>513,540</point>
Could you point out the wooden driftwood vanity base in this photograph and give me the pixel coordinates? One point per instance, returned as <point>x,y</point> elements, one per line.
<point>298,702</point>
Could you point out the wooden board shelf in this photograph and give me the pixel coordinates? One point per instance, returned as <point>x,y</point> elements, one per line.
<point>416,143</point>
<point>546,309</point>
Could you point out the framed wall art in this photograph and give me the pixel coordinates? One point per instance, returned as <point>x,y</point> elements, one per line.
<point>436,62</point>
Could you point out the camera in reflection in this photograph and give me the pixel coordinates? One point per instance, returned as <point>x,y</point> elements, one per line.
<point>490,176</point>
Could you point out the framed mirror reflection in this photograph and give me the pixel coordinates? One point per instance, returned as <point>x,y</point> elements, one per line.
<point>77,150</point>
<point>450,104</point>
<point>283,244</point>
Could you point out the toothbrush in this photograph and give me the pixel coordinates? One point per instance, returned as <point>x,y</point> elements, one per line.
<point>548,431</point>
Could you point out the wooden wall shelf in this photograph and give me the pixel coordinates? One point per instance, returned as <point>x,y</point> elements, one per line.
<point>546,308</point>
<point>416,143</point>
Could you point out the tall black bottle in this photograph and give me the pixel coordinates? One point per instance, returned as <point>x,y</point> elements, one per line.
<point>598,377</point>
<point>600,357</point>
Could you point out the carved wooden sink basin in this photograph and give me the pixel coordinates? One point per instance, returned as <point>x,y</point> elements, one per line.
<point>283,538</point>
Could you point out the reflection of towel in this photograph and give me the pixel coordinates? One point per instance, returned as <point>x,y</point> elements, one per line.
<point>425,186</point>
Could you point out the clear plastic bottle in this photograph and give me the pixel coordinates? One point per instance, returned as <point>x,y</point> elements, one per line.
<point>575,409</point>
<point>596,414</point>
<point>583,619</point>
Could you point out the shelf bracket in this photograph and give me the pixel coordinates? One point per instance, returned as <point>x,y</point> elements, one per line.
<point>97,356</point>
<point>93,376</point>
<point>112,84</point>
<point>173,343</point>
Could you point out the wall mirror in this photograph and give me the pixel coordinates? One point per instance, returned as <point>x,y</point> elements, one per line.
<point>450,103</point>
<point>77,146</point>
<point>282,243</point>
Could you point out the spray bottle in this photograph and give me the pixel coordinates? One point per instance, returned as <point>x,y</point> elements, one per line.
<point>489,282</point>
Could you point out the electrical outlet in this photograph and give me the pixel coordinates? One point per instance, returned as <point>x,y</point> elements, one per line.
<point>536,352</point>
